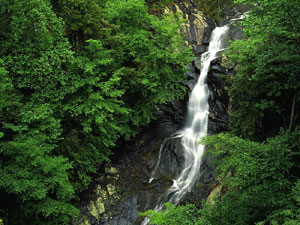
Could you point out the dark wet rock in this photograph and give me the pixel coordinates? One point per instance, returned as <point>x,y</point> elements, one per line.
<point>128,216</point>
<point>198,63</point>
<point>215,61</point>
<point>218,69</point>
<point>191,84</point>
<point>229,13</point>
<point>220,106</point>
<point>191,67</point>
<point>172,160</point>
<point>236,32</point>
<point>218,100</point>
<point>207,170</point>
<point>199,49</point>
<point>207,34</point>
<point>191,75</point>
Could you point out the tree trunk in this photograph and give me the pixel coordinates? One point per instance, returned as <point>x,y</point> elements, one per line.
<point>292,112</point>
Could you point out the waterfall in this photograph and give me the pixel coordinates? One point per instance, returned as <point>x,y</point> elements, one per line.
<point>195,127</point>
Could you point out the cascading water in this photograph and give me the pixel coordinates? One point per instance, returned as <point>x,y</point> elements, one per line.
<point>195,127</point>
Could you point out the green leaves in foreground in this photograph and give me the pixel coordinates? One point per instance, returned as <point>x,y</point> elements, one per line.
<point>259,184</point>
<point>31,182</point>
<point>179,215</point>
<point>259,177</point>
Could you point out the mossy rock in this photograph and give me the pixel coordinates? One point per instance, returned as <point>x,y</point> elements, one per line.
<point>216,193</point>
<point>111,189</point>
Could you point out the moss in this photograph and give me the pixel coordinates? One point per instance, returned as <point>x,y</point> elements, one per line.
<point>214,194</point>
<point>226,63</point>
<point>101,193</point>
<point>85,222</point>
<point>93,210</point>
<point>96,208</point>
<point>111,189</point>
<point>111,170</point>
<point>100,206</point>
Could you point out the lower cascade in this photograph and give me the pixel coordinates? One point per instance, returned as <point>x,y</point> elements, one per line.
<point>194,129</point>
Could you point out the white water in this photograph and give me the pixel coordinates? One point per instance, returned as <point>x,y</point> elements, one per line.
<point>195,127</point>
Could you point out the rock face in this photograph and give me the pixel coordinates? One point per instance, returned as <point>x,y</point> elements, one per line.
<point>197,28</point>
<point>122,189</point>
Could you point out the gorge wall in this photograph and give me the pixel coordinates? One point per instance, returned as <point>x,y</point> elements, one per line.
<point>122,189</point>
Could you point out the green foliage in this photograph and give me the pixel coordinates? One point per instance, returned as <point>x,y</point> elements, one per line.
<point>158,1</point>
<point>30,173</point>
<point>213,8</point>
<point>93,109</point>
<point>157,6</point>
<point>84,19</point>
<point>290,215</point>
<point>75,76</point>
<point>34,51</point>
<point>266,87</point>
<point>180,215</point>
<point>259,178</point>
<point>152,56</point>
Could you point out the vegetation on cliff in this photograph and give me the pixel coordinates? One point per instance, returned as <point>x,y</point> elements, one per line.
<point>75,76</point>
<point>257,163</point>
<point>214,8</point>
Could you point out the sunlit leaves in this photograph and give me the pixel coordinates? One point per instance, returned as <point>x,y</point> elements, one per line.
<point>180,215</point>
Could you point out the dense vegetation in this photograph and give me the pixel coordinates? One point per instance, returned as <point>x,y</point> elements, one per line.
<point>214,8</point>
<point>75,77</point>
<point>257,162</point>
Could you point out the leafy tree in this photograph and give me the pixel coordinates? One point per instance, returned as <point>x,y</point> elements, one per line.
<point>97,114</point>
<point>153,55</point>
<point>34,53</point>
<point>266,87</point>
<point>185,215</point>
<point>84,19</point>
<point>34,49</point>
<point>258,178</point>
<point>288,215</point>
